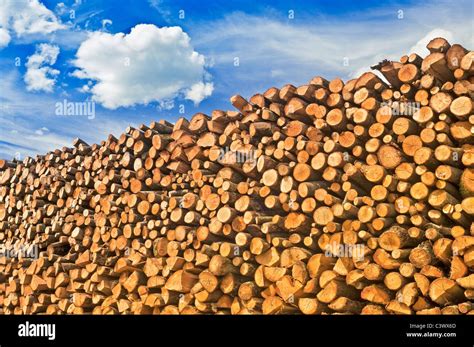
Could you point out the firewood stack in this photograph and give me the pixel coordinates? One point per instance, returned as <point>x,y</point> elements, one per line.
<point>333,197</point>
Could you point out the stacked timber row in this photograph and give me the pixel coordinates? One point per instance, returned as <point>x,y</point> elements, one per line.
<point>331,197</point>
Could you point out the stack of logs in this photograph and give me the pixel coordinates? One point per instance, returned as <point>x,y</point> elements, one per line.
<point>328,198</point>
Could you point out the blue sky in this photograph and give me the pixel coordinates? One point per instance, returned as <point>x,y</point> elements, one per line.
<point>141,60</point>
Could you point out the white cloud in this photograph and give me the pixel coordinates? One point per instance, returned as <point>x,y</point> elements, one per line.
<point>26,18</point>
<point>4,38</point>
<point>39,75</point>
<point>199,91</point>
<point>149,64</point>
<point>41,131</point>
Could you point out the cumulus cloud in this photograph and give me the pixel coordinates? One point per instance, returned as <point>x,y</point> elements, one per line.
<point>149,64</point>
<point>199,91</point>
<point>23,18</point>
<point>40,76</point>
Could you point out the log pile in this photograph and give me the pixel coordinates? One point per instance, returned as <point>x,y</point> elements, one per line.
<point>333,197</point>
